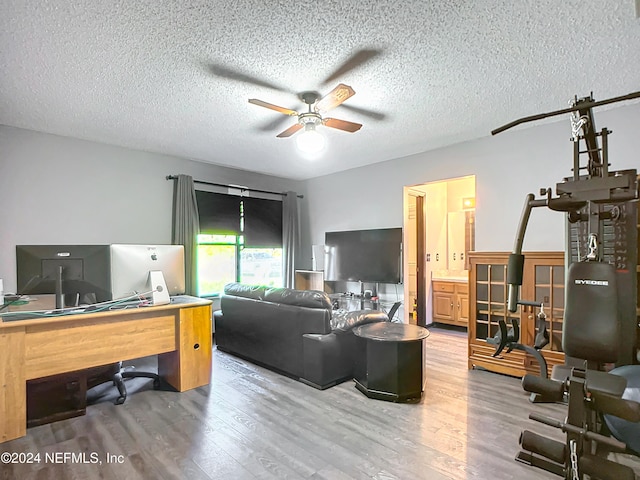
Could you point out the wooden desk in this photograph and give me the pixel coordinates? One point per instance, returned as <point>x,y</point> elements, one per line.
<point>180,333</point>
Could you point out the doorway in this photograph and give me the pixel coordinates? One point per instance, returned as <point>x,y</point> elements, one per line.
<point>439,231</point>
<point>415,279</point>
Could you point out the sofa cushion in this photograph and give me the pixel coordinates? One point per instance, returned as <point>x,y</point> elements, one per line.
<point>255,292</point>
<point>299,298</point>
<point>344,320</point>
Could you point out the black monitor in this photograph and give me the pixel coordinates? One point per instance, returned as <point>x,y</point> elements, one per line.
<point>364,255</point>
<point>76,274</point>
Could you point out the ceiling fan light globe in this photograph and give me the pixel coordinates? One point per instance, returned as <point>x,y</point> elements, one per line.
<point>311,142</point>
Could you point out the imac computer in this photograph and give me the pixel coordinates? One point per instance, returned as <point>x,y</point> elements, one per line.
<point>76,274</point>
<point>153,271</point>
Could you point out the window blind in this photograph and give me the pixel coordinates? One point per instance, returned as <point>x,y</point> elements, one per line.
<point>262,222</point>
<point>218,212</point>
<point>262,225</point>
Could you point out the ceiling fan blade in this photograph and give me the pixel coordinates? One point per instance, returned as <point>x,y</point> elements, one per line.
<point>359,58</point>
<point>334,98</point>
<point>290,131</point>
<point>342,125</point>
<point>225,72</point>
<point>286,111</point>
<point>367,113</point>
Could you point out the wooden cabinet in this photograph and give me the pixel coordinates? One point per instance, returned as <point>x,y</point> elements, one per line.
<point>190,365</point>
<point>543,281</point>
<point>451,303</point>
<point>309,280</point>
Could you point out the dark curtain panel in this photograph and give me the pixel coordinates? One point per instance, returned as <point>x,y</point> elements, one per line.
<point>262,222</point>
<point>218,212</point>
<point>186,228</point>
<point>290,236</point>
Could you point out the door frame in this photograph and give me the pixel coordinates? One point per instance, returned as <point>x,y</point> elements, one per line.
<point>421,281</point>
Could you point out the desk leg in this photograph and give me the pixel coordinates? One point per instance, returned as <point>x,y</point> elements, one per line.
<point>13,385</point>
<point>190,365</point>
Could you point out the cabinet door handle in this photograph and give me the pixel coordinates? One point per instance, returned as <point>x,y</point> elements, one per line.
<point>458,305</point>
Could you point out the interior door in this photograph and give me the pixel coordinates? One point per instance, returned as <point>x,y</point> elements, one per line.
<point>421,284</point>
<point>417,295</point>
<point>411,252</point>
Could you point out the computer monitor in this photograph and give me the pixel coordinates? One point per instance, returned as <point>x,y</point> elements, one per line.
<point>131,266</point>
<point>76,274</point>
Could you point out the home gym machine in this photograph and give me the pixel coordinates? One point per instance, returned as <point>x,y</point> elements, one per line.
<point>600,323</point>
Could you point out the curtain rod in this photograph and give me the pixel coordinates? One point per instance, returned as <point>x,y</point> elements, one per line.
<point>242,189</point>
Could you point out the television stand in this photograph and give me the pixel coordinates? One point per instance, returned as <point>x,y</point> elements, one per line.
<point>353,301</point>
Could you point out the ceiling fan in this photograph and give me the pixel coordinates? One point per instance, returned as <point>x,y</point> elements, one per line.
<point>316,106</point>
<point>312,118</point>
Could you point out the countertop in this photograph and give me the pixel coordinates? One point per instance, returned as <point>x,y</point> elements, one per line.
<point>450,279</point>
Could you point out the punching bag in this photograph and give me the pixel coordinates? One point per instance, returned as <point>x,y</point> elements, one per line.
<point>591,328</point>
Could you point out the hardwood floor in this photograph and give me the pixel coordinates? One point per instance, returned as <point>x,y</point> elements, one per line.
<point>251,423</point>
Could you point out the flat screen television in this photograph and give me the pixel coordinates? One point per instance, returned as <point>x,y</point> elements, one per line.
<point>131,264</point>
<point>76,274</point>
<point>364,255</point>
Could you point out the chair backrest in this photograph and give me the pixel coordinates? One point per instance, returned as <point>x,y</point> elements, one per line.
<point>591,329</point>
<point>393,310</point>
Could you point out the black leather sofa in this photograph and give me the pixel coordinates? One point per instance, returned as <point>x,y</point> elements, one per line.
<point>293,332</point>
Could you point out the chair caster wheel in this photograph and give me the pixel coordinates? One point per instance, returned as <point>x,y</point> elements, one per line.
<point>120,400</point>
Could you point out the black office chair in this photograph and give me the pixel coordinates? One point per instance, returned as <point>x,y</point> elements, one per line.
<point>128,372</point>
<point>117,373</point>
<point>393,310</point>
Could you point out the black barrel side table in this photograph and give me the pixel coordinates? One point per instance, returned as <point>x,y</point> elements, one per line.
<point>389,361</point>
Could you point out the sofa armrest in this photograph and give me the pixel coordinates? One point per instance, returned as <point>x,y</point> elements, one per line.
<point>347,321</point>
<point>328,359</point>
<point>217,317</point>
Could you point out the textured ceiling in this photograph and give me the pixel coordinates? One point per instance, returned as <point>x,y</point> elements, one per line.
<point>174,76</point>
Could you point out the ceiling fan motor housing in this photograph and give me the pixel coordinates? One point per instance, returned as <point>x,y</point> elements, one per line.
<point>309,119</point>
<point>309,97</point>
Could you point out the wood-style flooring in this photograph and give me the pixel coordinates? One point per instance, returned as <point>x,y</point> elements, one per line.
<point>251,423</point>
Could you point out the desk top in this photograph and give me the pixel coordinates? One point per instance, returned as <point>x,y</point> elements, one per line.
<point>391,332</point>
<point>36,317</point>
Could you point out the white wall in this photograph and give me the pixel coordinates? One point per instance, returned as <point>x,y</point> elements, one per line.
<point>507,167</point>
<point>61,190</point>
<point>57,190</point>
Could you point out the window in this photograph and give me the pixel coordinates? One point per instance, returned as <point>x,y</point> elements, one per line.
<point>261,266</point>
<point>217,262</point>
<point>240,241</point>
